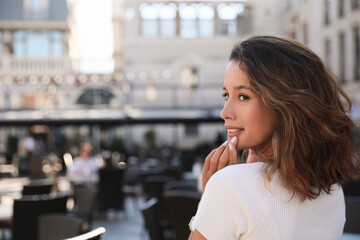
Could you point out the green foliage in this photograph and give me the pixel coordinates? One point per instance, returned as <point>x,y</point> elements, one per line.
<point>117,144</point>
<point>150,138</point>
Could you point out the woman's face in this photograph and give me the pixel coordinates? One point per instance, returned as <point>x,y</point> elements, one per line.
<point>244,113</point>
<point>84,153</point>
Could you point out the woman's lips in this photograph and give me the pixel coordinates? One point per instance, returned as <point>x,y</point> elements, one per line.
<point>233,132</point>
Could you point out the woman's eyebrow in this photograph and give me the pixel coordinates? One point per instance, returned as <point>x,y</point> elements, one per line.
<point>241,87</point>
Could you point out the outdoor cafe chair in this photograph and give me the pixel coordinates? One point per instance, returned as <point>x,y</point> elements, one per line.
<point>85,201</point>
<point>55,226</point>
<point>181,206</point>
<point>27,210</point>
<point>110,189</point>
<point>185,184</point>
<point>152,218</point>
<point>95,234</point>
<point>352,205</point>
<point>38,186</point>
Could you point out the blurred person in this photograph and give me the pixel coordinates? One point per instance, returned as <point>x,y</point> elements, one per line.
<point>33,160</point>
<point>84,168</point>
<point>290,115</point>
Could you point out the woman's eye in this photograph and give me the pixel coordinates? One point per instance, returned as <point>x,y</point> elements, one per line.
<point>243,97</point>
<point>225,96</point>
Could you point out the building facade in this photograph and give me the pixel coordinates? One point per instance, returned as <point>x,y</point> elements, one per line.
<point>169,60</point>
<point>331,29</point>
<point>172,55</point>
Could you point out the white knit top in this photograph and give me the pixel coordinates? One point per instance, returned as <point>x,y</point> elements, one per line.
<point>238,204</point>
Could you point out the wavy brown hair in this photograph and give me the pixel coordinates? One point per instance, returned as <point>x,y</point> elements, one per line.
<point>312,147</point>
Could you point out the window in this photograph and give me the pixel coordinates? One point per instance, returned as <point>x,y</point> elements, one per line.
<point>354,4</point>
<point>188,14</point>
<point>96,96</point>
<point>342,57</point>
<point>36,9</point>
<point>327,6</point>
<point>305,33</point>
<point>206,20</point>
<point>341,8</point>
<point>167,16</point>
<point>56,44</point>
<point>38,43</point>
<point>356,66</point>
<point>1,43</point>
<point>197,20</point>
<point>228,15</point>
<point>191,129</point>
<point>328,53</point>
<point>158,20</point>
<point>149,23</point>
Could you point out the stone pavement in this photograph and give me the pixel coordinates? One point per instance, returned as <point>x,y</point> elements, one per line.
<point>127,225</point>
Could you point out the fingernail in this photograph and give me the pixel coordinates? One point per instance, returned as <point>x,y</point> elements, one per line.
<point>233,140</point>
<point>225,143</point>
<point>230,147</point>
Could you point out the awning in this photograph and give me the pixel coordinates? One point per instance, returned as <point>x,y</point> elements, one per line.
<point>109,116</point>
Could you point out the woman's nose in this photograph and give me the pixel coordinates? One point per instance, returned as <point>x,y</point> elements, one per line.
<point>227,111</point>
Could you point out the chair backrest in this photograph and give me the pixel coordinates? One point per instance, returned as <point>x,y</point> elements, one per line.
<point>38,186</point>
<point>95,234</point>
<point>153,185</point>
<point>55,226</point>
<point>27,210</point>
<point>110,193</point>
<point>85,197</point>
<point>352,188</point>
<point>181,205</point>
<point>151,212</point>
<point>188,185</point>
<point>352,224</point>
<point>131,175</point>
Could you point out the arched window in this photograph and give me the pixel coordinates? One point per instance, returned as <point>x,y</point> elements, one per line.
<point>149,16</point>
<point>158,20</point>
<point>197,20</point>
<point>96,96</point>
<point>167,15</point>
<point>228,14</point>
<point>188,20</point>
<point>206,20</point>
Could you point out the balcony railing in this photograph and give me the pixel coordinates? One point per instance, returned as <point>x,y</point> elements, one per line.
<point>25,66</point>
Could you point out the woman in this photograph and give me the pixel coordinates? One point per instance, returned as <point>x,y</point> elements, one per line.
<point>85,169</point>
<point>290,113</point>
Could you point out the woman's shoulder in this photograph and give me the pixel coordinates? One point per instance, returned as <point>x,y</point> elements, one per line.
<point>243,170</point>
<point>235,176</point>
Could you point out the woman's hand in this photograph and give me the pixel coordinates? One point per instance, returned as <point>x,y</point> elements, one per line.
<point>219,158</point>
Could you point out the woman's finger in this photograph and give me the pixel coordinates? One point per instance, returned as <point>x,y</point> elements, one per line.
<point>207,160</point>
<point>232,151</point>
<point>223,159</point>
<point>210,165</point>
<point>215,158</point>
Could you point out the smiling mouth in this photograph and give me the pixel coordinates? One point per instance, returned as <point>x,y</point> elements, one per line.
<point>234,130</point>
